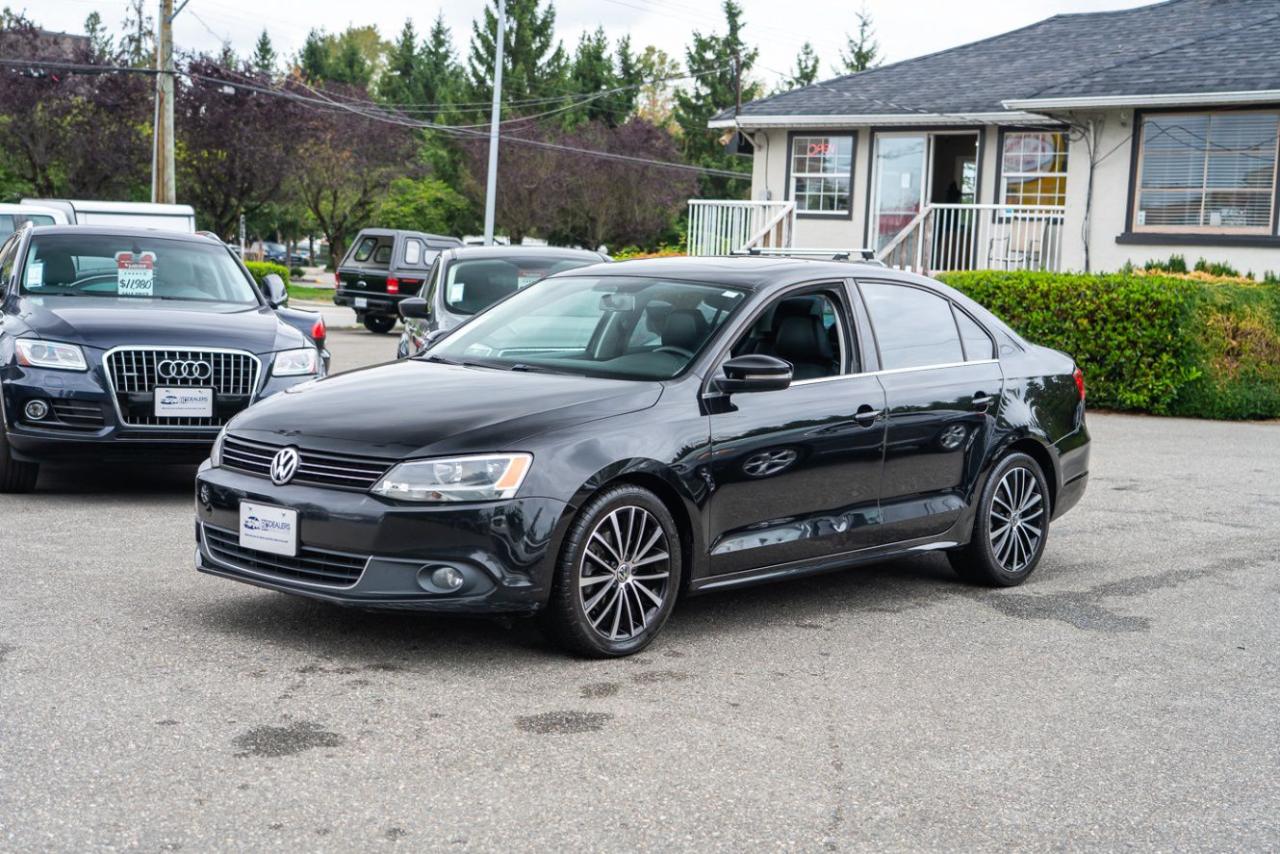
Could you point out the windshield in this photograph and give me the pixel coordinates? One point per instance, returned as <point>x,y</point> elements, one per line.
<point>614,326</point>
<point>142,268</point>
<point>472,286</point>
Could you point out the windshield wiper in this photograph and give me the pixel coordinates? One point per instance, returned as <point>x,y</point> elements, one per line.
<point>465,364</point>
<point>534,369</point>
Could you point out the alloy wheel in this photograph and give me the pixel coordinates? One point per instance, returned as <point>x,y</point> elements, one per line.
<point>624,574</point>
<point>1017,519</point>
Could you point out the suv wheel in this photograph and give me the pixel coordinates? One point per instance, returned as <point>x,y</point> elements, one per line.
<point>15,476</point>
<point>1011,527</point>
<point>379,323</point>
<point>617,576</point>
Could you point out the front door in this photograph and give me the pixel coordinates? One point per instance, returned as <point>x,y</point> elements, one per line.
<point>899,185</point>
<point>795,474</point>
<point>943,386</point>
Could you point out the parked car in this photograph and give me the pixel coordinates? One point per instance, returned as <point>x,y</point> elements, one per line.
<point>122,214</point>
<point>382,267</point>
<point>13,217</point>
<point>615,436</point>
<point>465,281</point>
<point>129,344</point>
<point>276,253</point>
<point>301,256</point>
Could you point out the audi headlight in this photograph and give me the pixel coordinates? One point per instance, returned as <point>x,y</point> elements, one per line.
<point>296,363</point>
<point>35,353</point>
<point>487,477</point>
<point>215,453</point>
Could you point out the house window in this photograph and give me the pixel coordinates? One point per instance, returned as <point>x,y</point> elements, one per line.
<point>1207,172</point>
<point>821,174</point>
<point>1033,170</point>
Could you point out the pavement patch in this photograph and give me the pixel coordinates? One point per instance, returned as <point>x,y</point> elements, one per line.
<point>563,723</point>
<point>276,741</point>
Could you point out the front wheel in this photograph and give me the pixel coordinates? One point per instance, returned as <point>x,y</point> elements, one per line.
<point>617,576</point>
<point>379,323</point>
<point>15,476</point>
<point>1011,527</point>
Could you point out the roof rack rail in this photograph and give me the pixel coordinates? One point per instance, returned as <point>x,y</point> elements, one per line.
<point>861,255</point>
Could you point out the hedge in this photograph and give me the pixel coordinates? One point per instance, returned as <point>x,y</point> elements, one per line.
<point>262,269</point>
<point>1168,346</point>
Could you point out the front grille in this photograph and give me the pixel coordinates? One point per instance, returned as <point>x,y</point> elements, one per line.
<point>135,373</point>
<point>75,415</point>
<point>315,468</point>
<point>316,566</point>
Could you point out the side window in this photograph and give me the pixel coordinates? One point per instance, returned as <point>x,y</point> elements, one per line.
<point>913,327</point>
<point>806,330</point>
<point>365,249</point>
<point>413,252</point>
<point>977,343</point>
<point>429,286</point>
<point>8,254</point>
<point>382,255</point>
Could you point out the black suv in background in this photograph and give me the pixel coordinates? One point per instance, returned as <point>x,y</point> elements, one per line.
<point>465,281</point>
<point>382,267</point>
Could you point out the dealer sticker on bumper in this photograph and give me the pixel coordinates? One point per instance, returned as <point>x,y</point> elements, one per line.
<point>269,529</point>
<point>184,402</point>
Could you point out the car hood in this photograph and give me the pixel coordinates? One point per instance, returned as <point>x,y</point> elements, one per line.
<point>416,408</point>
<point>106,322</point>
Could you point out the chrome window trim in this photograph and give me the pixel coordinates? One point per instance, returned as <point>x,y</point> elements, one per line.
<point>259,381</point>
<point>708,394</point>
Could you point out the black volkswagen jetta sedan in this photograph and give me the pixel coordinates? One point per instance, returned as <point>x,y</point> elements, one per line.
<point>615,436</point>
<point>130,344</point>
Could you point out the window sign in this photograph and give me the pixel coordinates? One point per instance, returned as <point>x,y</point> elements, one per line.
<point>135,274</point>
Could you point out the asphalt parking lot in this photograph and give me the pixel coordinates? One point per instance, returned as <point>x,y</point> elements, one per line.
<point>1127,697</point>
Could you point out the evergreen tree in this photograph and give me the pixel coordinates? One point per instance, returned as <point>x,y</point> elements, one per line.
<point>313,61</point>
<point>349,64</point>
<point>718,65</point>
<point>805,72</point>
<point>442,77</point>
<point>402,81</point>
<point>534,61</point>
<point>101,44</point>
<point>591,74</point>
<point>864,50</point>
<point>264,55</point>
<point>631,75</point>
<point>138,43</point>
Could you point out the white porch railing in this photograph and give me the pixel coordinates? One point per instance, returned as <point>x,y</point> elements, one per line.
<point>719,227</point>
<point>978,237</point>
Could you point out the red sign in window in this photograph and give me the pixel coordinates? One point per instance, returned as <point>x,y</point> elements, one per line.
<point>819,149</point>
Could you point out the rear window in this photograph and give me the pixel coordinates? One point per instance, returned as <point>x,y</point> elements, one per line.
<point>473,285</point>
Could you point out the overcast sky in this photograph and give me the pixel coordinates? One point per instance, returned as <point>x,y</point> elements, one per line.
<point>905,28</point>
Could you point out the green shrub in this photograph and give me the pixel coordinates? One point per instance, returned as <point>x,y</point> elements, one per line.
<point>262,269</point>
<point>297,272</point>
<point>1169,346</point>
<point>1217,268</point>
<point>1175,264</point>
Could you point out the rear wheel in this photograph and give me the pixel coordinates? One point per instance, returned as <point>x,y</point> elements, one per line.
<point>15,476</point>
<point>379,323</point>
<point>1011,527</point>
<point>617,576</point>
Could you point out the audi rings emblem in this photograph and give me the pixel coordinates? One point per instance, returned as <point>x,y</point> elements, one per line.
<point>284,466</point>
<point>184,369</point>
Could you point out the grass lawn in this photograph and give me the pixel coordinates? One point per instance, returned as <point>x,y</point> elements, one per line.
<point>302,292</point>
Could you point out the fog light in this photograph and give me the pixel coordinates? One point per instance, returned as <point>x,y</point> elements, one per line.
<point>447,578</point>
<point>36,410</point>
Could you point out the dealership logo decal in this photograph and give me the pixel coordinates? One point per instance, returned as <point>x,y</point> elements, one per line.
<point>184,369</point>
<point>284,466</point>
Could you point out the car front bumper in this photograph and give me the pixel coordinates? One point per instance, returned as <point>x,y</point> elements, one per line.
<point>379,553</point>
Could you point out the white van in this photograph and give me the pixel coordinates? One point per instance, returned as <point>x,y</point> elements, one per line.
<point>13,217</point>
<point>131,214</point>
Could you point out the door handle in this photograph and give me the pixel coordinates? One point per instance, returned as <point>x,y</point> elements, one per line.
<point>866,416</point>
<point>982,400</point>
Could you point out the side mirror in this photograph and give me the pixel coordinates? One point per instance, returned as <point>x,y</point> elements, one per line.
<point>414,307</point>
<point>754,372</point>
<point>277,293</point>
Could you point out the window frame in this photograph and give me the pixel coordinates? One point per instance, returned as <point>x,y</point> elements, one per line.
<point>1268,234</point>
<point>832,133</point>
<point>955,307</point>
<point>1002,176</point>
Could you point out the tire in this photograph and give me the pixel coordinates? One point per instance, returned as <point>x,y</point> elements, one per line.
<point>1004,553</point>
<point>15,476</point>
<point>594,619</point>
<point>380,324</point>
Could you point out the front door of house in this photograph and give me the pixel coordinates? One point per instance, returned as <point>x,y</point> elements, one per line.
<point>899,186</point>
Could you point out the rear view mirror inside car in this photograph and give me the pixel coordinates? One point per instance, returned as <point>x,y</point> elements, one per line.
<point>618,302</point>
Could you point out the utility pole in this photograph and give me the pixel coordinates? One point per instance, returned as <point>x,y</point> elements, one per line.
<point>162,162</point>
<point>491,186</point>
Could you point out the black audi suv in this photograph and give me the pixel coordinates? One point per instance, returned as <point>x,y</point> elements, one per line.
<point>130,344</point>
<point>613,437</point>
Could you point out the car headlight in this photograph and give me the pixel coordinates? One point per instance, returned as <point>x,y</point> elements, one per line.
<point>296,363</point>
<point>215,453</point>
<point>486,477</point>
<point>35,353</point>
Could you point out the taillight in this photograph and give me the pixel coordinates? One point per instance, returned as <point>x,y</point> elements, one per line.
<point>393,285</point>
<point>318,330</point>
<point>1078,375</point>
<point>410,284</point>
<point>337,279</point>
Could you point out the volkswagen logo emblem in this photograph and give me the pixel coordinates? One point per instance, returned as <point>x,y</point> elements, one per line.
<point>184,369</point>
<point>284,466</point>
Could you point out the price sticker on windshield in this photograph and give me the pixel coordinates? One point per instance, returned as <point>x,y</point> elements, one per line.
<point>135,274</point>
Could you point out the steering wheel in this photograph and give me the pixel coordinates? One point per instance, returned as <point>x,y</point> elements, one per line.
<point>678,351</point>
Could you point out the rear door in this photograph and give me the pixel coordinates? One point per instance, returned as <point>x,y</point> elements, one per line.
<point>942,385</point>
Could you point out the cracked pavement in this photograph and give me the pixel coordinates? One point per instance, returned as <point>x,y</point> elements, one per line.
<point>1126,697</point>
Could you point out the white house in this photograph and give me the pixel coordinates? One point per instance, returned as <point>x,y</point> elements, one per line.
<point>1078,143</point>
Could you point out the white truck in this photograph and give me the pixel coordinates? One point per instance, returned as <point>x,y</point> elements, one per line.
<point>13,217</point>
<point>131,214</point>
